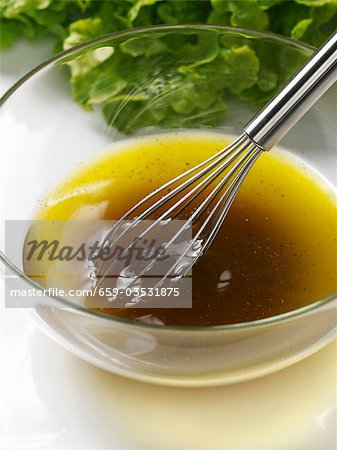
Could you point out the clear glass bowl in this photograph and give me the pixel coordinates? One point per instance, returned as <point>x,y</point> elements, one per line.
<point>46,136</point>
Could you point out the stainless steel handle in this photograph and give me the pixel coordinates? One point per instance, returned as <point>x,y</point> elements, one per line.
<point>298,95</point>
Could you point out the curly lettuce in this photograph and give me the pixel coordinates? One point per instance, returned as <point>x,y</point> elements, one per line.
<point>309,20</point>
<point>36,18</point>
<point>133,80</point>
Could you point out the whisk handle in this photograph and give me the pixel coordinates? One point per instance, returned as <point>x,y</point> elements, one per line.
<point>282,112</point>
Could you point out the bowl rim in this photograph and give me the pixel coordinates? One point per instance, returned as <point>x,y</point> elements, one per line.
<point>133,323</point>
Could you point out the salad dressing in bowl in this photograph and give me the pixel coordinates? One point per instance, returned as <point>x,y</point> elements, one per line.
<point>275,252</point>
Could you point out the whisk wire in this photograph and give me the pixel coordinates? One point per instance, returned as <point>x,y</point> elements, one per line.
<point>225,207</point>
<point>238,173</point>
<point>213,159</point>
<point>225,157</point>
<point>231,190</point>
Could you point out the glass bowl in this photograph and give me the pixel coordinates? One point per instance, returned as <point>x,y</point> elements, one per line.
<point>46,136</point>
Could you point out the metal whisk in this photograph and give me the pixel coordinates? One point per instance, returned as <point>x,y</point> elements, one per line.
<point>211,186</point>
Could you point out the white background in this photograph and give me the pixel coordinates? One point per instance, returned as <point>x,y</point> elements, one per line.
<point>50,399</point>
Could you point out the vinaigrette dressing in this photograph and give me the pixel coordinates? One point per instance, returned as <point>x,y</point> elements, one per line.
<point>275,252</point>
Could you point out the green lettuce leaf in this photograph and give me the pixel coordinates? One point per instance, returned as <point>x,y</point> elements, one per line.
<point>35,18</point>
<point>183,11</point>
<point>241,67</point>
<point>243,13</point>
<point>300,29</point>
<point>183,80</point>
<point>143,46</point>
<point>314,2</point>
<point>320,24</point>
